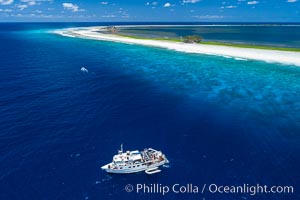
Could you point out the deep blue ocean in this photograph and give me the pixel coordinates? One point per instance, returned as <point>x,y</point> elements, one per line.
<point>218,120</point>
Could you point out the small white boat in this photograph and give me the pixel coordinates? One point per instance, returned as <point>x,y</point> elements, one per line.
<point>83,69</point>
<point>153,170</point>
<point>147,160</point>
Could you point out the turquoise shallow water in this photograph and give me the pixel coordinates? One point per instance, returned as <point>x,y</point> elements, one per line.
<point>219,120</point>
<point>254,89</point>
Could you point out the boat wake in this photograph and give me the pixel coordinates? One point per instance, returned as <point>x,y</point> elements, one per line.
<point>104,180</point>
<point>166,166</point>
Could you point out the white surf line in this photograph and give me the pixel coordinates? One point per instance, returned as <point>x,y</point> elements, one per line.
<point>277,56</point>
<point>208,25</point>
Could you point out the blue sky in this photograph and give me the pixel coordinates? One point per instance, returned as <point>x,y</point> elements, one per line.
<point>157,10</point>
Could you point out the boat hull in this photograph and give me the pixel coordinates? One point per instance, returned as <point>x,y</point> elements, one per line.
<point>131,170</point>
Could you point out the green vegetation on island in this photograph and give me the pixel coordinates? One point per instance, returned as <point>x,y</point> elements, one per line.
<point>112,29</point>
<point>199,40</point>
<point>192,39</point>
<point>144,38</point>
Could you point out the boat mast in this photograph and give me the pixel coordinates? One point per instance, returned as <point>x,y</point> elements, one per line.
<point>121,150</point>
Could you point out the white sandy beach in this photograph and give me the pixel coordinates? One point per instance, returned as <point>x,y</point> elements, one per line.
<point>284,57</point>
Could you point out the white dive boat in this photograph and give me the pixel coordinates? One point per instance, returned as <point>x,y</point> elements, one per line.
<point>147,160</point>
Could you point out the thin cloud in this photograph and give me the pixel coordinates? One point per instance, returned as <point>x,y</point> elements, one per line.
<point>167,5</point>
<point>231,6</point>
<point>208,16</point>
<point>72,7</point>
<point>252,2</point>
<point>154,3</point>
<point>22,6</point>
<point>6,10</point>
<point>108,16</point>
<point>6,2</point>
<point>34,2</point>
<point>190,1</point>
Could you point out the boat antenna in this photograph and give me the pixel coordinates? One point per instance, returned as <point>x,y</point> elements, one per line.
<point>121,150</point>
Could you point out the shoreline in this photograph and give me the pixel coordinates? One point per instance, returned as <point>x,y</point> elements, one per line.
<point>241,53</point>
<point>240,45</point>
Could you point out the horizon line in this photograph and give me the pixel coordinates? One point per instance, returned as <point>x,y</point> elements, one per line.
<point>266,22</point>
